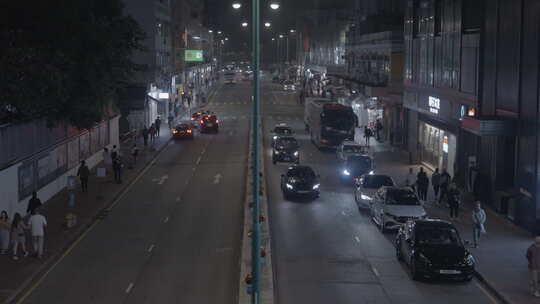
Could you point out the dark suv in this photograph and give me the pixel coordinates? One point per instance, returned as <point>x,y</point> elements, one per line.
<point>209,123</point>
<point>285,149</point>
<point>300,180</point>
<point>433,248</point>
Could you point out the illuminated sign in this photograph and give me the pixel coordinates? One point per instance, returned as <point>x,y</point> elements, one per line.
<point>445,144</point>
<point>193,56</point>
<point>471,112</point>
<point>434,105</point>
<point>163,95</point>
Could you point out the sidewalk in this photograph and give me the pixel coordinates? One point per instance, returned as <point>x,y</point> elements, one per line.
<point>19,275</point>
<point>500,257</point>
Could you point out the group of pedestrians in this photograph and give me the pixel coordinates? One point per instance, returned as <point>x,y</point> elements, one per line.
<point>374,131</point>
<point>13,233</point>
<point>153,131</point>
<point>446,191</point>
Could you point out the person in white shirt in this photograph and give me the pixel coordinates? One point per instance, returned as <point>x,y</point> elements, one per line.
<point>37,226</point>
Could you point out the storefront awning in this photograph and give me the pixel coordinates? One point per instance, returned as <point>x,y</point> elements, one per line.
<point>489,126</point>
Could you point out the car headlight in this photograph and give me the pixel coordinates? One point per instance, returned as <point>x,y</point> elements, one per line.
<point>469,260</point>
<point>275,137</point>
<point>371,172</point>
<point>316,186</point>
<point>289,186</point>
<point>276,152</point>
<point>346,172</point>
<point>365,197</point>
<point>295,153</point>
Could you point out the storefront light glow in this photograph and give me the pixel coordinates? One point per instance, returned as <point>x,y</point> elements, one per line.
<point>445,144</point>
<point>434,105</point>
<point>163,95</point>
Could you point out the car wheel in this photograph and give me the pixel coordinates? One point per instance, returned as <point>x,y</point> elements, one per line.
<point>414,273</point>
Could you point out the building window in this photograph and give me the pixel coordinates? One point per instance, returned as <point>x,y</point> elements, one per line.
<point>438,17</point>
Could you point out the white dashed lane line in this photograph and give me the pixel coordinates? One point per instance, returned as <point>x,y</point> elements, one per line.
<point>151,248</point>
<point>129,288</point>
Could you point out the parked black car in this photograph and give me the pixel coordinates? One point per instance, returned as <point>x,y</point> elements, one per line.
<point>285,149</point>
<point>433,248</point>
<point>300,180</point>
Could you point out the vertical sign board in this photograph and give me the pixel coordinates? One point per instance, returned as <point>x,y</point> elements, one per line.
<point>193,56</point>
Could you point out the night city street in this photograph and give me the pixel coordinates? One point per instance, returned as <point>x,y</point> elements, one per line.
<point>270,151</point>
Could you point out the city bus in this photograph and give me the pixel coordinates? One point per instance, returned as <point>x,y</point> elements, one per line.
<point>328,123</point>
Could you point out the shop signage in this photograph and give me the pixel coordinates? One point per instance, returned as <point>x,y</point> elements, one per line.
<point>193,56</point>
<point>434,105</point>
<point>445,144</point>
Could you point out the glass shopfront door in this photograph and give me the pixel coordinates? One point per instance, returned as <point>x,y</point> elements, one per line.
<point>437,147</point>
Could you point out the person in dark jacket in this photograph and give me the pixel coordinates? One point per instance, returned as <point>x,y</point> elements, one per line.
<point>145,133</point>
<point>423,183</point>
<point>83,173</point>
<point>117,168</point>
<point>444,181</point>
<point>452,197</point>
<point>33,203</point>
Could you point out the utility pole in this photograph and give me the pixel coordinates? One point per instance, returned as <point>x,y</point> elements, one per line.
<point>256,241</point>
<point>287,56</point>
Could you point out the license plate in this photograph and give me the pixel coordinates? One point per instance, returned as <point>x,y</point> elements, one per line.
<point>286,158</point>
<point>449,271</point>
<point>303,191</point>
<point>209,125</point>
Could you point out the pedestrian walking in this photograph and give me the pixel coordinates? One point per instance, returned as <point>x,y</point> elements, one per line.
<point>18,235</point>
<point>33,203</point>
<point>533,257</point>
<point>378,129</point>
<point>145,133</point>
<point>114,153</point>
<point>5,226</point>
<point>117,168</point>
<point>37,227</point>
<point>453,201</point>
<point>367,134</point>
<point>83,173</point>
<point>479,221</point>
<point>152,132</point>
<point>444,181</point>
<point>422,181</point>
<point>435,182</point>
<point>134,153</point>
<point>409,179</point>
<point>158,125</point>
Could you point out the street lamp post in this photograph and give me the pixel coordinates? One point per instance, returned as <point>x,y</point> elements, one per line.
<point>255,255</point>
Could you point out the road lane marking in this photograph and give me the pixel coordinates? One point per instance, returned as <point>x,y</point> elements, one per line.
<point>166,219</point>
<point>375,271</point>
<point>217,178</point>
<point>198,160</point>
<point>488,295</point>
<point>178,198</point>
<point>193,169</point>
<point>357,239</point>
<point>163,179</point>
<point>151,248</point>
<point>344,213</point>
<point>128,289</point>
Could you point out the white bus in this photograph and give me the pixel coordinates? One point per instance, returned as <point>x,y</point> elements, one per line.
<point>328,123</point>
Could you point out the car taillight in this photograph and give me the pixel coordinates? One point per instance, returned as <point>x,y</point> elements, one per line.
<point>189,131</point>
<point>174,131</point>
<point>202,121</point>
<point>217,120</point>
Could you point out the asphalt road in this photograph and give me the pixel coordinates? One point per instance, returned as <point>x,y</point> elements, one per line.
<point>327,251</point>
<point>174,237</point>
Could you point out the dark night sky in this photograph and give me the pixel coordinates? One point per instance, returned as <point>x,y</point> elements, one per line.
<point>221,16</point>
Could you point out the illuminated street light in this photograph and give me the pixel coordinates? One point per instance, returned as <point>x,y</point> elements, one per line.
<point>274,5</point>
<point>219,32</point>
<point>281,36</point>
<point>244,24</point>
<point>273,39</point>
<point>210,31</point>
<point>236,5</point>
<point>226,39</point>
<point>293,31</point>
<point>267,24</point>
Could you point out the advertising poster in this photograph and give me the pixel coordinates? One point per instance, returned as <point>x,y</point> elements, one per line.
<point>61,158</point>
<point>26,179</point>
<point>73,153</point>
<point>84,146</point>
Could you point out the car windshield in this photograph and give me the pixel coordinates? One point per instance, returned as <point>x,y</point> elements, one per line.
<point>359,162</point>
<point>288,82</point>
<point>182,127</point>
<point>402,197</point>
<point>352,149</point>
<point>287,142</point>
<point>434,235</point>
<point>282,130</point>
<point>301,173</point>
<point>376,181</point>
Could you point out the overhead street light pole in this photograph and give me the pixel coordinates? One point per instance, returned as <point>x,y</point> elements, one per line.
<point>256,245</point>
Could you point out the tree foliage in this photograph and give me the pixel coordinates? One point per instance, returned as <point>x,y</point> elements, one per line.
<point>64,60</point>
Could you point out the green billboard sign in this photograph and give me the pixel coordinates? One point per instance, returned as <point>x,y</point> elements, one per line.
<point>193,56</point>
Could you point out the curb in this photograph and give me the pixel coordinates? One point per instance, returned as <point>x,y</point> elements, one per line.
<point>17,294</point>
<point>491,288</point>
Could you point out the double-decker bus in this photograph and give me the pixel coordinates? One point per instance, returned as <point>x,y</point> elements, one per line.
<point>328,123</point>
